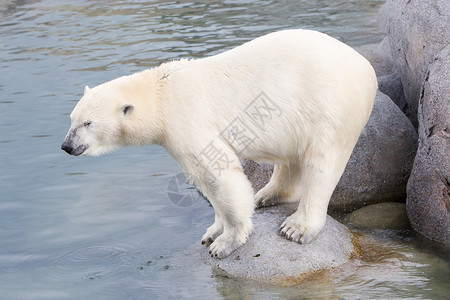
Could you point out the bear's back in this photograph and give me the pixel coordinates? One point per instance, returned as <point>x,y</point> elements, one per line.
<point>315,82</point>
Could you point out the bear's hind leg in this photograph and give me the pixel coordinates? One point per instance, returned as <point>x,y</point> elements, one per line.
<point>321,172</point>
<point>282,187</point>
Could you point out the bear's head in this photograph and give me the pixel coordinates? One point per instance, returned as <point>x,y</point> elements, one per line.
<point>114,114</point>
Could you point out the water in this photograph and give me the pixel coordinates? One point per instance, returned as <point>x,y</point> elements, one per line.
<point>105,228</point>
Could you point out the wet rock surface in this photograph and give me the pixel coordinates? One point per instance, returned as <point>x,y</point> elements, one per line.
<point>388,215</point>
<point>267,257</point>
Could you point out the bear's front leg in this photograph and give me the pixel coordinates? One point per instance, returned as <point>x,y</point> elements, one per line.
<point>213,231</point>
<point>231,196</point>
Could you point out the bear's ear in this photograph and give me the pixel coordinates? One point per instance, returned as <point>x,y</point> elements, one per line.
<point>127,109</point>
<point>86,89</point>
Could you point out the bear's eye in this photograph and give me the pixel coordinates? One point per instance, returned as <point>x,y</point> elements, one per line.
<point>87,124</point>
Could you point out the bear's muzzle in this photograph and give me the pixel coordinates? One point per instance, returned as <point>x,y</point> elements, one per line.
<point>68,147</point>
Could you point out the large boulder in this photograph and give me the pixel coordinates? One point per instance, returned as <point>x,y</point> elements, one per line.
<point>389,81</point>
<point>269,258</point>
<point>379,167</point>
<point>381,162</point>
<point>417,31</point>
<point>428,202</point>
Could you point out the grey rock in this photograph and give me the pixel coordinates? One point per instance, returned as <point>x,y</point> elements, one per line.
<point>389,81</point>
<point>383,50</point>
<point>387,215</point>
<point>417,32</point>
<point>428,202</point>
<point>380,165</point>
<point>391,85</point>
<point>380,57</point>
<point>258,174</point>
<point>381,162</point>
<point>269,258</point>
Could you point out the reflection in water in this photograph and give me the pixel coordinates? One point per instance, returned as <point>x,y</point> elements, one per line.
<point>78,227</point>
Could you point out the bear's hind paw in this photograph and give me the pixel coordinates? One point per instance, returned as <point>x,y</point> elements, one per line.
<point>296,230</point>
<point>267,200</point>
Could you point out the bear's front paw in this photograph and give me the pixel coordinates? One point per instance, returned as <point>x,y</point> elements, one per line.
<point>296,228</point>
<point>230,240</point>
<point>212,233</point>
<point>223,246</point>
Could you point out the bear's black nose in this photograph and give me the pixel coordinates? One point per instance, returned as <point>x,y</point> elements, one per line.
<point>67,147</point>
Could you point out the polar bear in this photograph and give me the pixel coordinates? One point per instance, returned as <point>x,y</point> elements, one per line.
<point>296,98</point>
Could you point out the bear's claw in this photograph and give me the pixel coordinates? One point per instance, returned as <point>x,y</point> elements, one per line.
<point>267,200</point>
<point>212,233</point>
<point>295,229</point>
<point>222,247</point>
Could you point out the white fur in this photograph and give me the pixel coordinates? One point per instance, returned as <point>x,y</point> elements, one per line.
<point>314,93</point>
